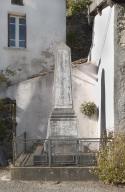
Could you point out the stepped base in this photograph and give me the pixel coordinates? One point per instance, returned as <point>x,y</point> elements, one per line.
<point>62,123</point>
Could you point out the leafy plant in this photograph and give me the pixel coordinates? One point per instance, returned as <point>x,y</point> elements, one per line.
<point>88,108</point>
<point>74,7</point>
<point>111,161</point>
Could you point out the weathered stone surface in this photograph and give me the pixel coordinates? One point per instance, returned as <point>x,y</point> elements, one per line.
<point>119,81</point>
<point>53,174</point>
<point>62,78</point>
<point>79,35</point>
<point>65,127</point>
<point>62,122</point>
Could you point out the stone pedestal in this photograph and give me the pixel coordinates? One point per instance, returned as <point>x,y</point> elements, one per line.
<point>63,124</point>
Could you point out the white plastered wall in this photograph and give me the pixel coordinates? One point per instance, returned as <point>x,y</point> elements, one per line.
<point>102,54</point>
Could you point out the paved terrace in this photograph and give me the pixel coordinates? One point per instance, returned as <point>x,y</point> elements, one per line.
<point>7,185</point>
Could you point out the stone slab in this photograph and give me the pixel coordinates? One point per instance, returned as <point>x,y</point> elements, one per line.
<point>53,174</point>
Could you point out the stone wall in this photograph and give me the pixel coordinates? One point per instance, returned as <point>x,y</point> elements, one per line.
<point>79,35</point>
<point>119,67</point>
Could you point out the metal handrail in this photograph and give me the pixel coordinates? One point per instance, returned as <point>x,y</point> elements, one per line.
<point>55,150</point>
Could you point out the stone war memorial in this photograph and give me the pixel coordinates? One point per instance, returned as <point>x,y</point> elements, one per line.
<point>62,86</point>
<point>62,150</point>
<point>62,124</point>
<point>62,130</point>
<point>61,144</point>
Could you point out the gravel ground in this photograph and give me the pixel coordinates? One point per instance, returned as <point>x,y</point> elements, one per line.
<point>6,185</point>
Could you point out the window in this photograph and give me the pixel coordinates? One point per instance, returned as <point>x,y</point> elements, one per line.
<point>17,31</point>
<point>17,2</point>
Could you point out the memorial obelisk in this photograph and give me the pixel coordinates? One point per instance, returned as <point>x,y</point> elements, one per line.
<point>62,122</point>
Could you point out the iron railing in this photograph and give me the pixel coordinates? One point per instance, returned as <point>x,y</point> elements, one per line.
<point>56,151</point>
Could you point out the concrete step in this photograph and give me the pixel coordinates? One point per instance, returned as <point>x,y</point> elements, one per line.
<point>38,150</point>
<point>20,159</point>
<point>23,159</point>
<point>53,173</point>
<point>29,161</point>
<point>37,154</point>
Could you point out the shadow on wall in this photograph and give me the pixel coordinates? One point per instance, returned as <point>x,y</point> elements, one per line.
<point>33,111</point>
<point>103,107</point>
<point>87,73</point>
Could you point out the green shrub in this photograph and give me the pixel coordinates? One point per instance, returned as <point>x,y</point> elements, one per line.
<point>111,161</point>
<point>78,6</point>
<point>88,108</point>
